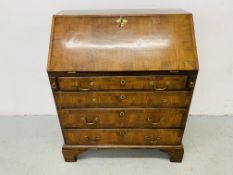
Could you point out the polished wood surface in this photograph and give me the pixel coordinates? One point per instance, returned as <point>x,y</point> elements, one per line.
<point>123,99</point>
<point>123,136</point>
<point>123,82</point>
<point>122,79</point>
<point>122,118</point>
<point>146,43</point>
<point>126,12</point>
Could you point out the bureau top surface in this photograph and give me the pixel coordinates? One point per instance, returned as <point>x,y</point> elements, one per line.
<point>111,12</point>
<point>122,40</point>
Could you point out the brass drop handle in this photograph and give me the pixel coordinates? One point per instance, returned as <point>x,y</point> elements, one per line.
<point>92,141</point>
<point>94,122</point>
<point>160,89</point>
<point>79,87</point>
<point>152,139</point>
<point>154,123</point>
<point>121,21</point>
<point>122,133</point>
<point>167,83</point>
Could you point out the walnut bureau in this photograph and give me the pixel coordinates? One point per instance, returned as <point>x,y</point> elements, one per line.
<point>122,79</point>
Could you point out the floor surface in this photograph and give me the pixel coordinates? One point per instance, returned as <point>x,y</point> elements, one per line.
<point>32,146</point>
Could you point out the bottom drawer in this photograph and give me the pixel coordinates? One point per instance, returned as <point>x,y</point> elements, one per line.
<point>123,136</point>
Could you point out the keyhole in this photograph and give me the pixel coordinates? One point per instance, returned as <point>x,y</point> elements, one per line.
<point>122,97</point>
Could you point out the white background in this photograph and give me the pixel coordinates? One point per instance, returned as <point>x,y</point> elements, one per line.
<point>24,37</point>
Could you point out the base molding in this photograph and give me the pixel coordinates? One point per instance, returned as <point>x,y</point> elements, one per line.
<point>71,152</point>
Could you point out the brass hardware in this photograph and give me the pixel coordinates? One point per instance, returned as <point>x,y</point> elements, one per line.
<point>93,99</point>
<point>160,89</point>
<point>122,114</point>
<point>123,82</point>
<point>84,89</point>
<point>191,84</point>
<point>94,122</point>
<point>152,139</point>
<point>71,72</point>
<point>121,21</point>
<point>167,83</point>
<point>164,100</point>
<point>122,97</point>
<point>121,133</point>
<point>54,86</point>
<point>152,83</point>
<point>174,71</point>
<point>153,123</point>
<point>92,141</point>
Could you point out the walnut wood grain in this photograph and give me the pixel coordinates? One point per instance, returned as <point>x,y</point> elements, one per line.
<point>70,155</point>
<point>122,79</point>
<point>165,82</point>
<point>146,43</point>
<point>122,82</point>
<point>123,136</point>
<point>122,118</point>
<point>176,154</point>
<point>123,99</point>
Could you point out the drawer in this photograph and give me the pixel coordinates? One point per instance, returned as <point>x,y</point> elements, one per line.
<point>123,137</point>
<point>123,99</point>
<point>162,82</point>
<point>122,118</point>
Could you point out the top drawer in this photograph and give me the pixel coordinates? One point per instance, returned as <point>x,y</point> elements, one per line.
<point>158,82</point>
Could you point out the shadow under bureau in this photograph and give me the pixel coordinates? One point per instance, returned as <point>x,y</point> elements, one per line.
<point>122,79</point>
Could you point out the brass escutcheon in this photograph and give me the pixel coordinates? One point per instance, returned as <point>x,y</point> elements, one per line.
<point>123,82</point>
<point>122,97</point>
<point>94,100</point>
<point>121,21</point>
<point>122,114</point>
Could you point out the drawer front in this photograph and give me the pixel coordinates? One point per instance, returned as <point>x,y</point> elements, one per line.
<point>122,82</point>
<point>123,99</point>
<point>122,118</point>
<point>123,137</point>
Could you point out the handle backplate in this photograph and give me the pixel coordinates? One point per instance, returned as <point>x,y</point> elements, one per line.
<point>152,139</point>
<point>92,140</point>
